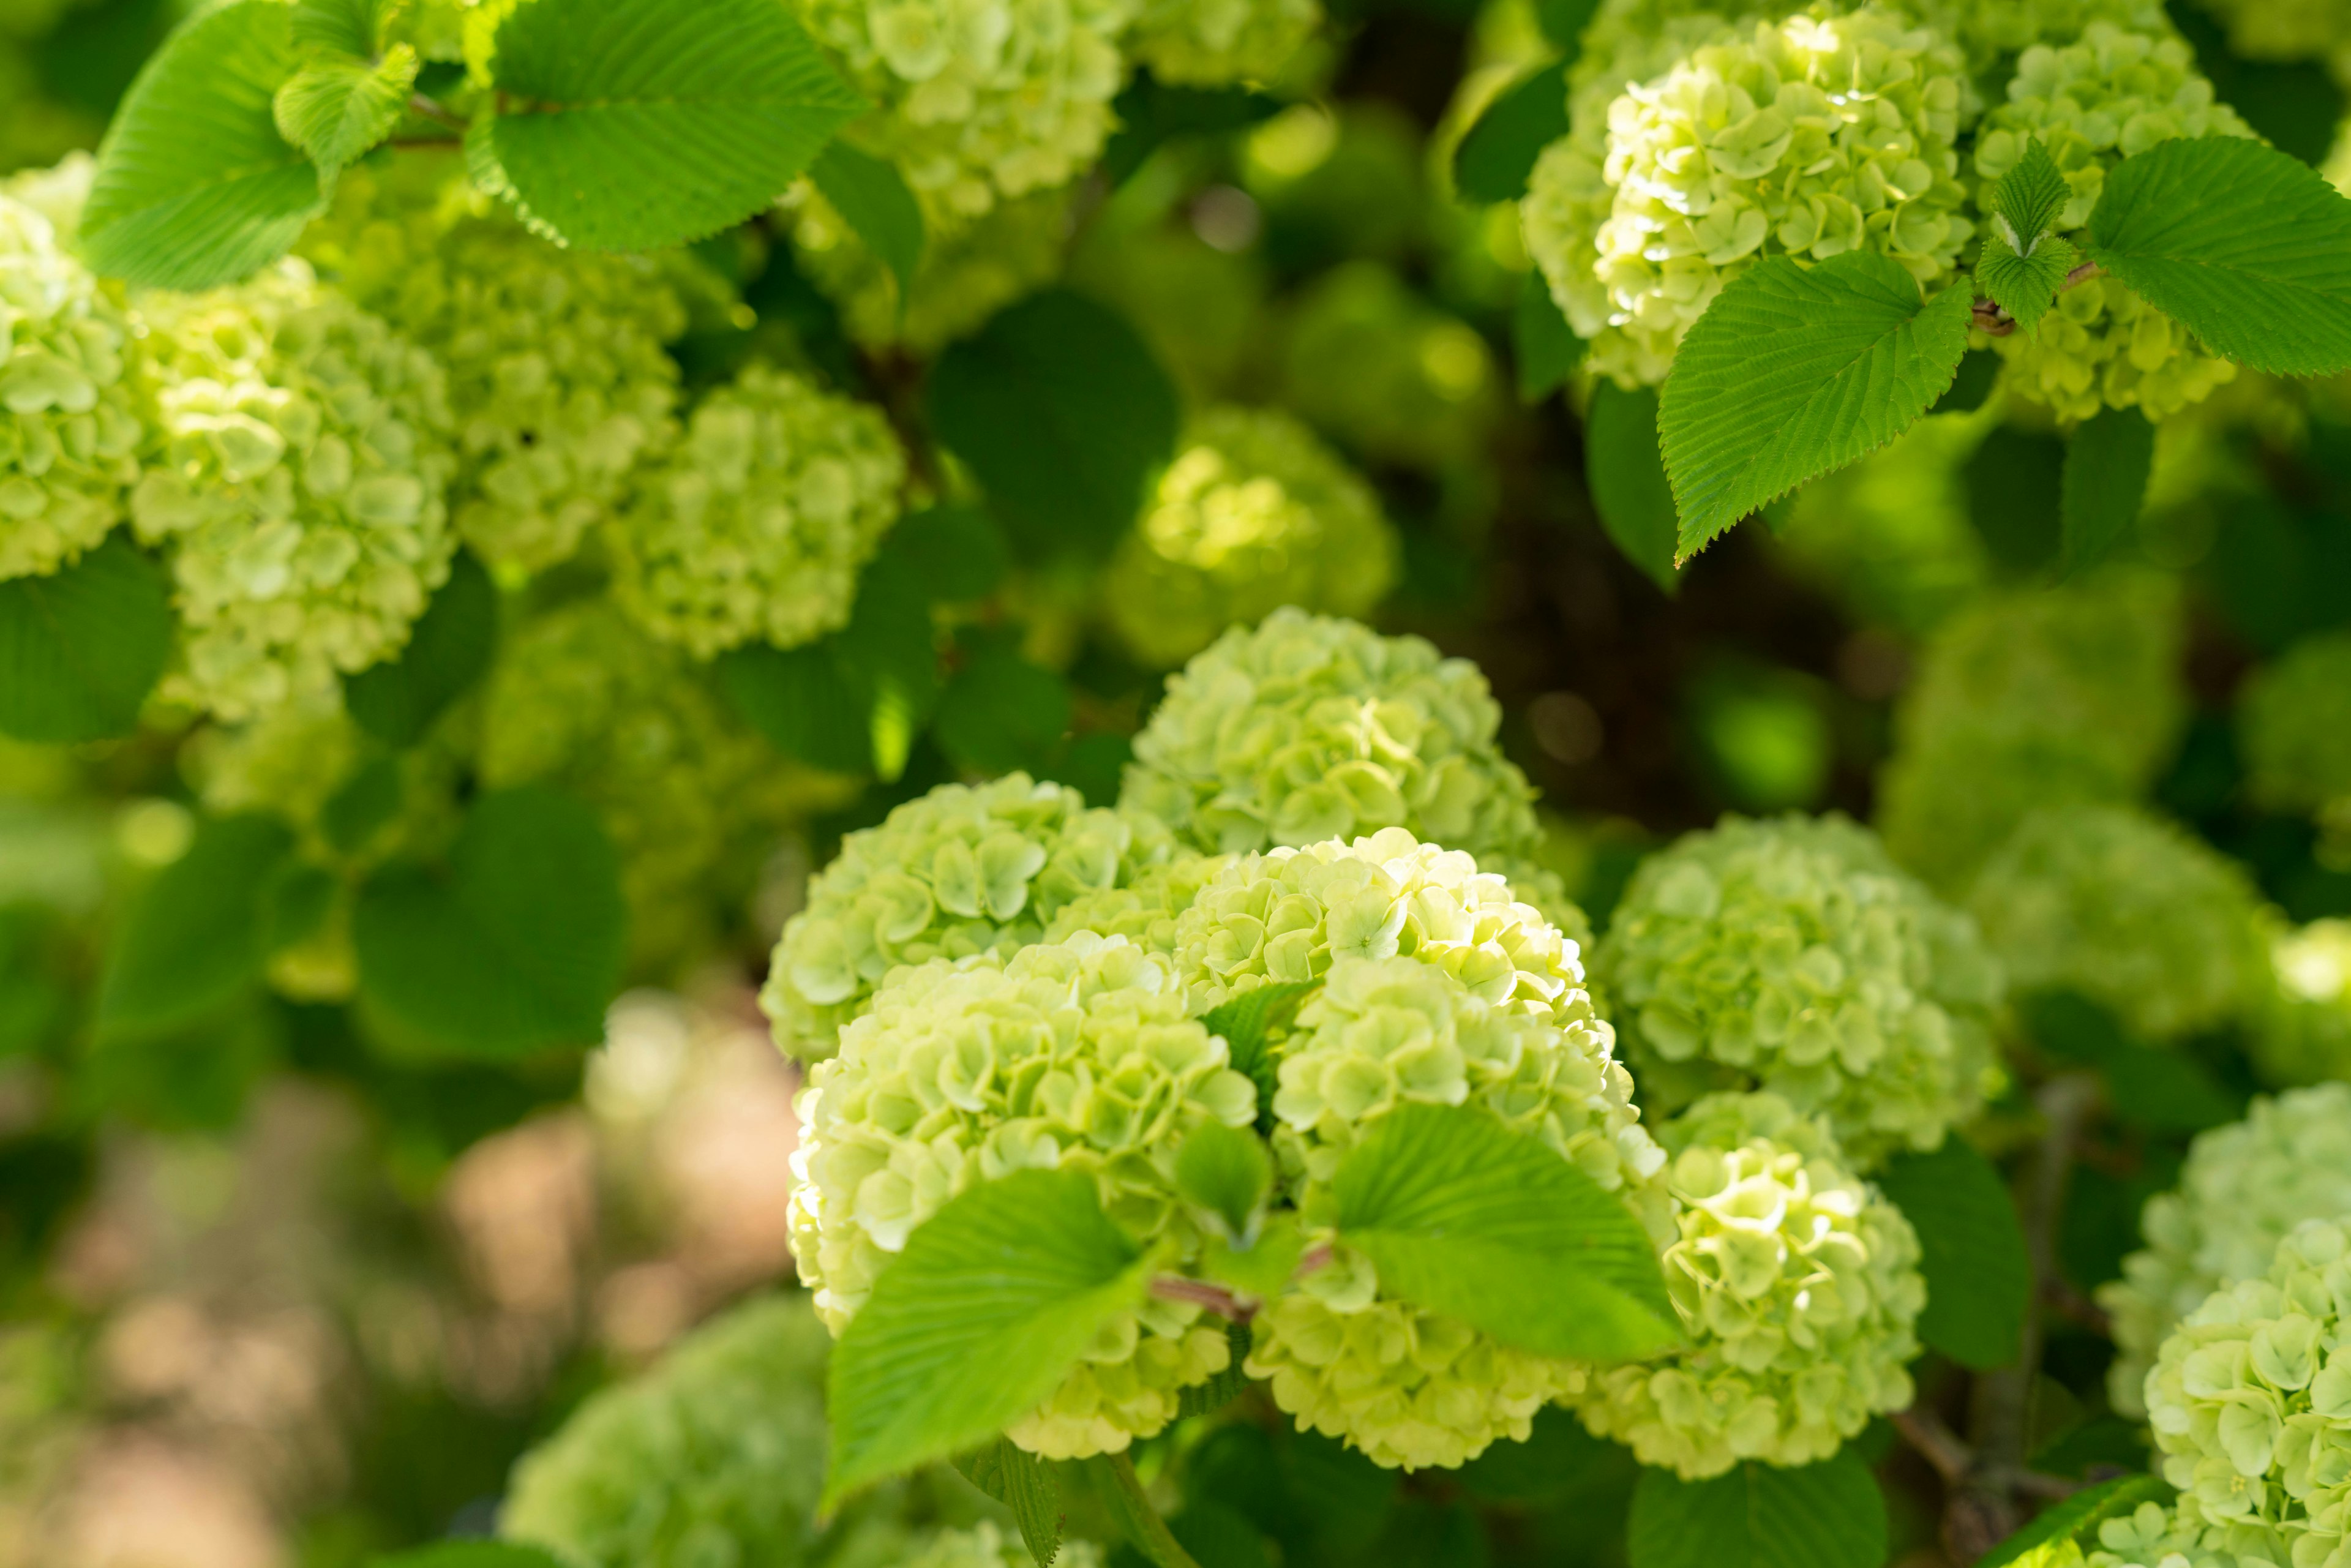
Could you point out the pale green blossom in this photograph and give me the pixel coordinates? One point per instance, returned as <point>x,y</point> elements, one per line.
<point>1216,43</point>
<point>2155,1536</point>
<point>2294,725</point>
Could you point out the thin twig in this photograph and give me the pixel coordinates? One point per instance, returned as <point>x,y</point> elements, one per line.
<point>2065,1299</point>
<point>1936,1442</point>
<point>2033,1483</point>
<point>429,107</point>
<point>1200,1293</point>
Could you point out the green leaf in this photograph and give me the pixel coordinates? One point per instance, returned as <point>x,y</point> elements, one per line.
<point>470,1554</point>
<point>1463,1216</point>
<point>2106,465</point>
<point>1563,22</point>
<point>956,553</point>
<point>1020,1481</point>
<point>297,903</point>
<point>2247,247</point>
<point>2029,197</point>
<point>1226,1171</point>
<point>516,947</point>
<point>80,651</point>
<point>872,199</point>
<point>335,108</point>
<point>628,127</point>
<point>1545,346</point>
<point>194,185</point>
<point>353,27</point>
<point>1979,1276</point>
<point>200,933</point>
<point>2024,286</point>
<point>2071,1516</point>
<point>982,1316</point>
<point>1494,159</point>
<point>1063,413</point>
<point>368,801</point>
<point>449,650</point>
<point>2159,1088</point>
<point>1248,1022</point>
<point>1001,712</point>
<point>1979,368</point>
<point>1828,1515</point>
<point>1793,372</point>
<point>1150,113</point>
<point>1627,478</point>
<point>1207,1398</point>
<point>850,703</point>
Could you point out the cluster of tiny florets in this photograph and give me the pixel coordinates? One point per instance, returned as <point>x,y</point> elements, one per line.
<point>967,273</point>
<point>2155,1536</point>
<point>1373,364</point>
<point>2251,1405</point>
<point>72,424</point>
<point>2293,724</point>
<point>1799,1289</point>
<point>1308,727</point>
<point>1253,514</point>
<point>2130,911</point>
<point>2287,30</point>
<point>1794,955</point>
<point>2242,1188</point>
<point>1809,137</point>
<point>1079,1055</point>
<point>1213,43</point>
<point>964,869</point>
<point>2303,1032</point>
<point>755,525</point>
<point>301,484</point>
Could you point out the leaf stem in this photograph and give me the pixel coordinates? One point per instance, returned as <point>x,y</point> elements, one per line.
<point>426,107</point>
<point>1993,321</point>
<point>1201,1294</point>
<point>1155,1539</point>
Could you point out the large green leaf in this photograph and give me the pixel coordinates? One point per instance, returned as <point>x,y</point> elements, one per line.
<point>991,1303</point>
<point>1020,1481</point>
<point>80,651</point>
<point>1979,1277</point>
<point>200,933</point>
<point>1463,1216</point>
<point>874,200</point>
<point>1627,478</point>
<point>449,650</point>
<point>851,702</point>
<point>1247,1024</point>
<point>1497,154</point>
<point>516,947</point>
<point>2107,462</point>
<point>629,126</point>
<point>336,107</point>
<point>2072,1516</point>
<point>1063,413</point>
<point>1794,371</point>
<point>194,185</point>
<point>2247,247</point>
<point>1828,1515</point>
<point>1001,712</point>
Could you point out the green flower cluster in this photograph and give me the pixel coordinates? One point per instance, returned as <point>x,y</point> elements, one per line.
<point>2293,724</point>
<point>1798,1288</point>
<point>1214,43</point>
<point>2154,1536</point>
<point>980,99</point>
<point>1143,908</point>
<point>2287,29</point>
<point>2028,698</point>
<point>1309,727</point>
<point>71,420</point>
<point>558,377</point>
<point>986,1546</point>
<point>1253,514</point>
<point>1373,364</point>
<point>302,483</point>
<point>1993,32</point>
<point>2304,1034</point>
<point>966,274</point>
<point>755,525</point>
<point>1794,955</point>
<point>2251,1405</point>
<point>2130,911</point>
<point>2092,103</point>
<point>1077,1055</point>
<point>2242,1189</point>
<point>964,869</point>
<point>1809,137</point>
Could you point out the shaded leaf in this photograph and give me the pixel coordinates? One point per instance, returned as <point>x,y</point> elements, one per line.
<point>1627,476</point>
<point>1979,1276</point>
<point>1248,1022</point>
<point>1151,112</point>
<point>80,650</point>
<point>1001,712</point>
<point>200,933</point>
<point>872,199</point>
<point>1207,1398</point>
<point>955,552</point>
<point>1563,22</point>
<point>852,702</point>
<point>2107,461</point>
<point>1545,347</point>
<point>449,650</point>
<point>1021,1482</point>
<point>1494,159</point>
<point>1828,1515</point>
<point>1979,368</point>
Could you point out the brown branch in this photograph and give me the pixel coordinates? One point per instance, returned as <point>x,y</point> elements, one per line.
<point>1991,319</point>
<point>1200,1293</point>
<point>425,107</point>
<point>1936,1442</point>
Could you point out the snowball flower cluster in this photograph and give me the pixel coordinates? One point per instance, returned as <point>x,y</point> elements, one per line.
<point>1798,1288</point>
<point>1253,514</point>
<point>1369,361</point>
<point>2030,698</point>
<point>2287,30</point>
<point>1214,43</point>
<point>755,525</point>
<point>1809,137</point>
<point>1992,31</point>
<point>2154,1536</point>
<point>1075,1056</point>
<point>302,485</point>
<point>1309,727</point>
<point>2251,1405</point>
<point>2130,911</point>
<point>964,869</point>
<point>2242,1188</point>
<point>979,99</point>
<point>71,420</point>
<point>966,274</point>
<point>1794,955</point>
<point>1144,907</point>
<point>2303,1033</point>
<point>2293,724</point>
<point>2092,103</point>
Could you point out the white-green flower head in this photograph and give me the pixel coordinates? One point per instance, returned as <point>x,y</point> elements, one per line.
<point>1078,1055</point>
<point>1143,908</point>
<point>1216,43</point>
<point>1253,514</point>
<point>2287,30</point>
<point>964,869</point>
<point>2303,1035</point>
<point>2294,725</point>
<point>968,272</point>
<point>2154,1536</point>
<point>2251,1405</point>
<point>1374,365</point>
<point>980,99</point>
<point>71,418</point>
<point>2092,103</point>
<point>2244,1187</point>
<point>1809,137</point>
<point>1798,1288</point>
<point>986,1546</point>
<point>2030,698</point>
<point>558,377</point>
<point>302,484</point>
<point>755,525</point>
<point>1794,955</point>
<point>1309,727</point>
<point>2130,911</point>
